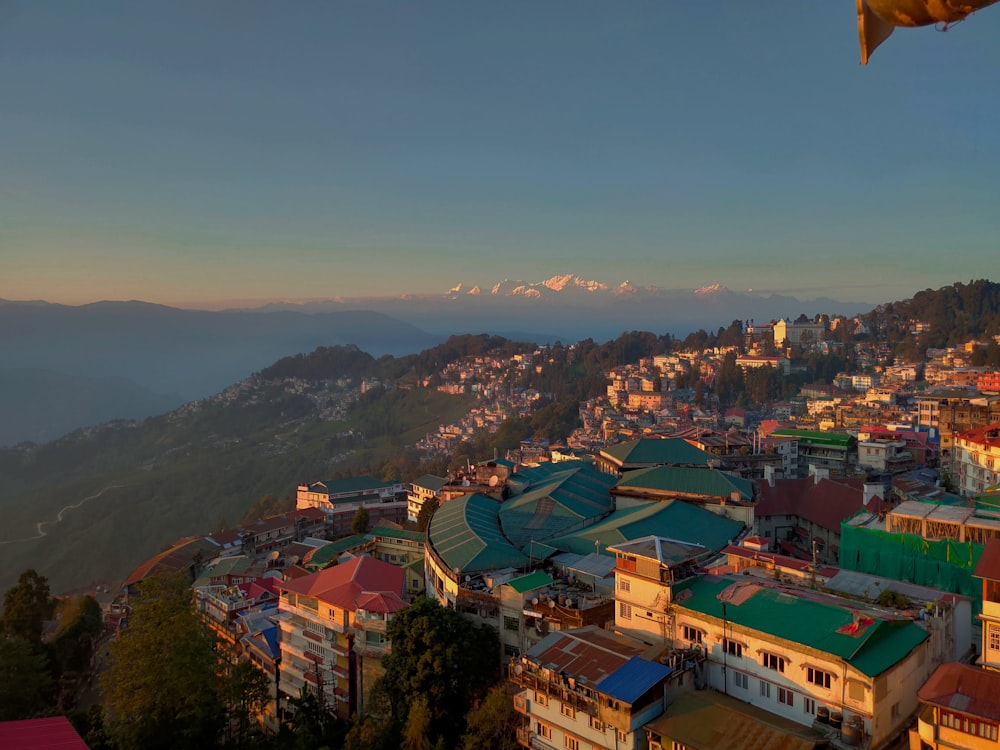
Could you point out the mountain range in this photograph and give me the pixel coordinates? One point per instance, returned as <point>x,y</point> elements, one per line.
<point>128,360</point>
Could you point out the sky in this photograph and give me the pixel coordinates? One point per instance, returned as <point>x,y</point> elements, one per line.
<point>194,153</point>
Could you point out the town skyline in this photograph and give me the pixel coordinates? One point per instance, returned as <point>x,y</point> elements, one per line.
<point>185,155</point>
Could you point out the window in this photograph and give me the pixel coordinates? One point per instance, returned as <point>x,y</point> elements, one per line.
<point>732,647</point>
<point>765,689</point>
<point>511,623</point>
<point>818,677</point>
<point>772,661</point>
<point>969,725</point>
<point>624,584</point>
<point>625,610</point>
<point>567,710</point>
<point>694,635</point>
<point>856,690</point>
<point>571,743</point>
<point>786,696</point>
<point>543,730</point>
<point>895,710</point>
<point>741,680</point>
<point>541,699</point>
<point>595,723</point>
<point>994,638</point>
<point>808,706</point>
<point>622,736</point>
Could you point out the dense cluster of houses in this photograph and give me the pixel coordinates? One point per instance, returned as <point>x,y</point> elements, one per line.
<point>766,583</point>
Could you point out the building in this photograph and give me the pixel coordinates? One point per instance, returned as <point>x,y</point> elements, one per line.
<point>805,332</point>
<point>403,548</point>
<point>802,517</point>
<point>420,491</point>
<point>833,451</point>
<point>333,630</point>
<point>977,460</point>
<point>339,499</point>
<point>782,365</point>
<point>587,688</point>
<point>801,654</point>
<point>960,708</point>
<point>644,453</point>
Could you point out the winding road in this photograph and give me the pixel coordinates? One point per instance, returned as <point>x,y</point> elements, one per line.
<point>41,525</point>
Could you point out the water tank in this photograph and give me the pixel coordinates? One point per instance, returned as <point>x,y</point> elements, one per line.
<point>836,719</point>
<point>823,715</point>
<point>853,731</point>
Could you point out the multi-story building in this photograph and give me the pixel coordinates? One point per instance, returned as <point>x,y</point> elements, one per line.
<point>959,709</point>
<point>339,499</point>
<point>403,548</point>
<point>806,332</point>
<point>587,688</point>
<point>333,630</point>
<point>795,653</point>
<point>833,451</point>
<point>977,460</point>
<point>420,491</point>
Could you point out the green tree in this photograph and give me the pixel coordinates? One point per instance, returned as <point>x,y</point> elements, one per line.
<point>27,606</point>
<point>441,657</point>
<point>161,688</point>
<point>26,686</point>
<point>246,691</point>
<point>359,524</point>
<point>418,725</point>
<point>493,723</point>
<point>426,513</point>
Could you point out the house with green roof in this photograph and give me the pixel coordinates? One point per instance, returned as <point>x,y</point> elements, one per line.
<point>646,452</point>
<point>797,653</point>
<point>836,452</point>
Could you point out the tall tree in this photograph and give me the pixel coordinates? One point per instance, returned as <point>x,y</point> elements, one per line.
<point>27,606</point>
<point>26,686</point>
<point>493,723</point>
<point>359,524</point>
<point>441,657</point>
<point>161,689</point>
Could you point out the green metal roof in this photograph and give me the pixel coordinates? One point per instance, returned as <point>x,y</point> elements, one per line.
<point>705,482</point>
<point>671,519</point>
<point>327,554</point>
<point>815,622</point>
<point>531,581</point>
<point>815,437</point>
<point>412,536</point>
<point>567,499</point>
<point>465,533</point>
<point>670,451</point>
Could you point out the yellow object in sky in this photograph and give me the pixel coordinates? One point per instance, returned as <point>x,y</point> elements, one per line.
<point>877,18</point>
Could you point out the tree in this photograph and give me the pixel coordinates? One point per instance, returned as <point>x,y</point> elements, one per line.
<point>426,513</point>
<point>418,725</point>
<point>26,686</point>
<point>493,723</point>
<point>161,689</point>
<point>246,690</point>
<point>27,606</point>
<point>441,657</point>
<point>359,525</point>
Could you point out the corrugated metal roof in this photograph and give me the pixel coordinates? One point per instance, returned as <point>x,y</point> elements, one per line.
<point>669,451</point>
<point>689,481</point>
<point>633,679</point>
<point>961,687</point>
<point>817,438</point>
<point>531,581</point>
<point>587,654</point>
<point>672,519</point>
<point>54,733</point>
<point>827,624</point>
<point>465,533</point>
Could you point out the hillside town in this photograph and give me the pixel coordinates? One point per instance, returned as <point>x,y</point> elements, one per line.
<point>810,569</point>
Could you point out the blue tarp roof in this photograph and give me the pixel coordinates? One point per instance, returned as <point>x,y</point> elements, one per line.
<point>632,679</point>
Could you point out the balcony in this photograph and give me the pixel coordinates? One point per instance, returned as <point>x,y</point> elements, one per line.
<point>927,726</point>
<point>521,703</point>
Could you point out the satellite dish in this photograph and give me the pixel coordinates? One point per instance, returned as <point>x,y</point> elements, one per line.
<point>535,601</point>
<point>552,604</point>
<point>274,555</point>
<point>518,669</point>
<point>494,480</point>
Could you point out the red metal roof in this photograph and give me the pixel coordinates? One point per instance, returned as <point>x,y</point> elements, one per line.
<point>989,561</point>
<point>969,690</point>
<point>824,503</point>
<point>343,585</point>
<point>55,733</point>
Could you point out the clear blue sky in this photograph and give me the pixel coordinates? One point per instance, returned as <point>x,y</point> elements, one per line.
<point>181,152</point>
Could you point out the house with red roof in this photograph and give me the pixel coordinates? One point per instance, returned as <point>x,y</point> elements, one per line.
<point>793,514</point>
<point>333,630</point>
<point>977,459</point>
<point>959,708</point>
<point>53,733</point>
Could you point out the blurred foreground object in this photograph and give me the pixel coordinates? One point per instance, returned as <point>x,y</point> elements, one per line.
<point>877,18</point>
